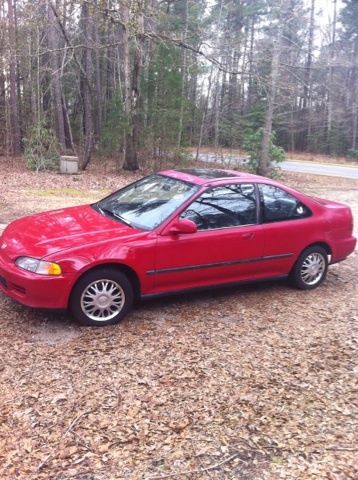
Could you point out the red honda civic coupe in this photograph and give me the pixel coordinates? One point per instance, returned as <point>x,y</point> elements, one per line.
<point>171,231</point>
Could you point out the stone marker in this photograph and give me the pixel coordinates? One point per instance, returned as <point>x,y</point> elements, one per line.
<point>68,164</point>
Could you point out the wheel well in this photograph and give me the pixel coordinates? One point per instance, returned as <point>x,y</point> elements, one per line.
<point>323,245</point>
<point>129,272</point>
<point>320,244</point>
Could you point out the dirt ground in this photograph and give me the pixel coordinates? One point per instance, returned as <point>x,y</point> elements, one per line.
<point>255,383</point>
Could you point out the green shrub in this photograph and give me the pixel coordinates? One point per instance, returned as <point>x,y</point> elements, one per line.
<point>182,157</point>
<point>41,148</point>
<point>252,144</point>
<point>353,153</point>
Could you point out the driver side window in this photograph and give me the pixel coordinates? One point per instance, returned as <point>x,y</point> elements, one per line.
<point>223,207</point>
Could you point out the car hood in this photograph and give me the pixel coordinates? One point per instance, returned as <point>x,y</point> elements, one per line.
<point>50,232</point>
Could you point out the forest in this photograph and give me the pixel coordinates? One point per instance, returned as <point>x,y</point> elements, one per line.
<point>138,79</point>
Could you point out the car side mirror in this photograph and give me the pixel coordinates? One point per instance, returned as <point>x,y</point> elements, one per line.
<point>181,225</point>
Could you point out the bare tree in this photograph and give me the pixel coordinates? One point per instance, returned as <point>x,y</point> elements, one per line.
<point>307,89</point>
<point>128,74</point>
<point>133,24</point>
<point>354,75</point>
<point>184,73</point>
<point>86,74</point>
<point>264,164</point>
<point>13,78</point>
<point>331,70</point>
<point>56,88</point>
<point>95,20</point>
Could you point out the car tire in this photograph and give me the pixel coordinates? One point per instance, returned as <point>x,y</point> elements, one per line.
<point>310,269</point>
<point>101,297</point>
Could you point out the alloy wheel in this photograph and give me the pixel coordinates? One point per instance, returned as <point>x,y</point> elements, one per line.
<point>313,268</point>
<point>102,300</point>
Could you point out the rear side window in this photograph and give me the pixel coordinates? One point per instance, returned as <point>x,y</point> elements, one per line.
<point>278,205</point>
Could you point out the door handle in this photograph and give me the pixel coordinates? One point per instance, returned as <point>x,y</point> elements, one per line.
<point>248,236</point>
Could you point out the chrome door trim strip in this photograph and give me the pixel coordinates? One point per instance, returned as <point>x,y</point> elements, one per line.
<point>217,264</point>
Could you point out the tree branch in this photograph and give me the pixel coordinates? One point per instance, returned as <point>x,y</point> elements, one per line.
<point>67,40</point>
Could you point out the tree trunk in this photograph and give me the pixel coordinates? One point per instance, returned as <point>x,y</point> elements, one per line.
<point>264,163</point>
<point>217,111</point>
<point>355,125</point>
<point>192,94</point>
<point>86,88</point>
<point>251,63</point>
<point>3,85</point>
<point>2,106</point>
<point>218,93</point>
<point>204,114</point>
<point>308,72</point>
<point>134,20</point>
<point>98,83</point>
<point>38,77</point>
<point>331,72</point>
<point>354,90</point>
<point>129,161</point>
<point>56,88</point>
<point>132,140</point>
<point>14,99</point>
<point>183,72</point>
<point>307,92</point>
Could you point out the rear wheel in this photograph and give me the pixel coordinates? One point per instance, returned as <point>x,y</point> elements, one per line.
<point>101,297</point>
<point>311,268</point>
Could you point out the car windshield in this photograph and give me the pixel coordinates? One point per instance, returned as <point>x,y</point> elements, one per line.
<point>147,203</point>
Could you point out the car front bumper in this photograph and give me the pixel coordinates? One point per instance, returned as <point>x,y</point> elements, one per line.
<point>33,290</point>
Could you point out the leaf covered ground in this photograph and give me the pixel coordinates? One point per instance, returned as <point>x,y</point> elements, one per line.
<point>256,382</point>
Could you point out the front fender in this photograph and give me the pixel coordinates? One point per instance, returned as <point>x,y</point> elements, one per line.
<point>138,256</point>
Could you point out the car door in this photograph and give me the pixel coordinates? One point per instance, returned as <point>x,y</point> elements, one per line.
<point>288,226</point>
<point>226,247</point>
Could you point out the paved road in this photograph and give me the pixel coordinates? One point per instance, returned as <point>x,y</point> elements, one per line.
<point>331,170</point>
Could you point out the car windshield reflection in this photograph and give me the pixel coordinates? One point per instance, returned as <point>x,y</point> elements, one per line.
<point>147,203</point>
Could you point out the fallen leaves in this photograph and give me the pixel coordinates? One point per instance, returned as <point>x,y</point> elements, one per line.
<point>179,425</point>
<point>256,382</point>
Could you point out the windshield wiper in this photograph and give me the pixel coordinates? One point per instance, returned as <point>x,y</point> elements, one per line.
<point>107,211</point>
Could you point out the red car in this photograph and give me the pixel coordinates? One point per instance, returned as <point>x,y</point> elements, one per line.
<point>171,231</point>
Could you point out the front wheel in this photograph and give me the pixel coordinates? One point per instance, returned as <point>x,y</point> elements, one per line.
<point>310,269</point>
<point>101,297</point>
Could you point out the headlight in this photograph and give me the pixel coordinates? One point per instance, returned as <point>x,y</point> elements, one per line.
<point>38,266</point>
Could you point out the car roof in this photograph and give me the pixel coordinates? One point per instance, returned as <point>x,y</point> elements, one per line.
<point>212,176</point>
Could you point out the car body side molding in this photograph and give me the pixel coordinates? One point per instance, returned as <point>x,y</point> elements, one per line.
<point>217,264</point>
